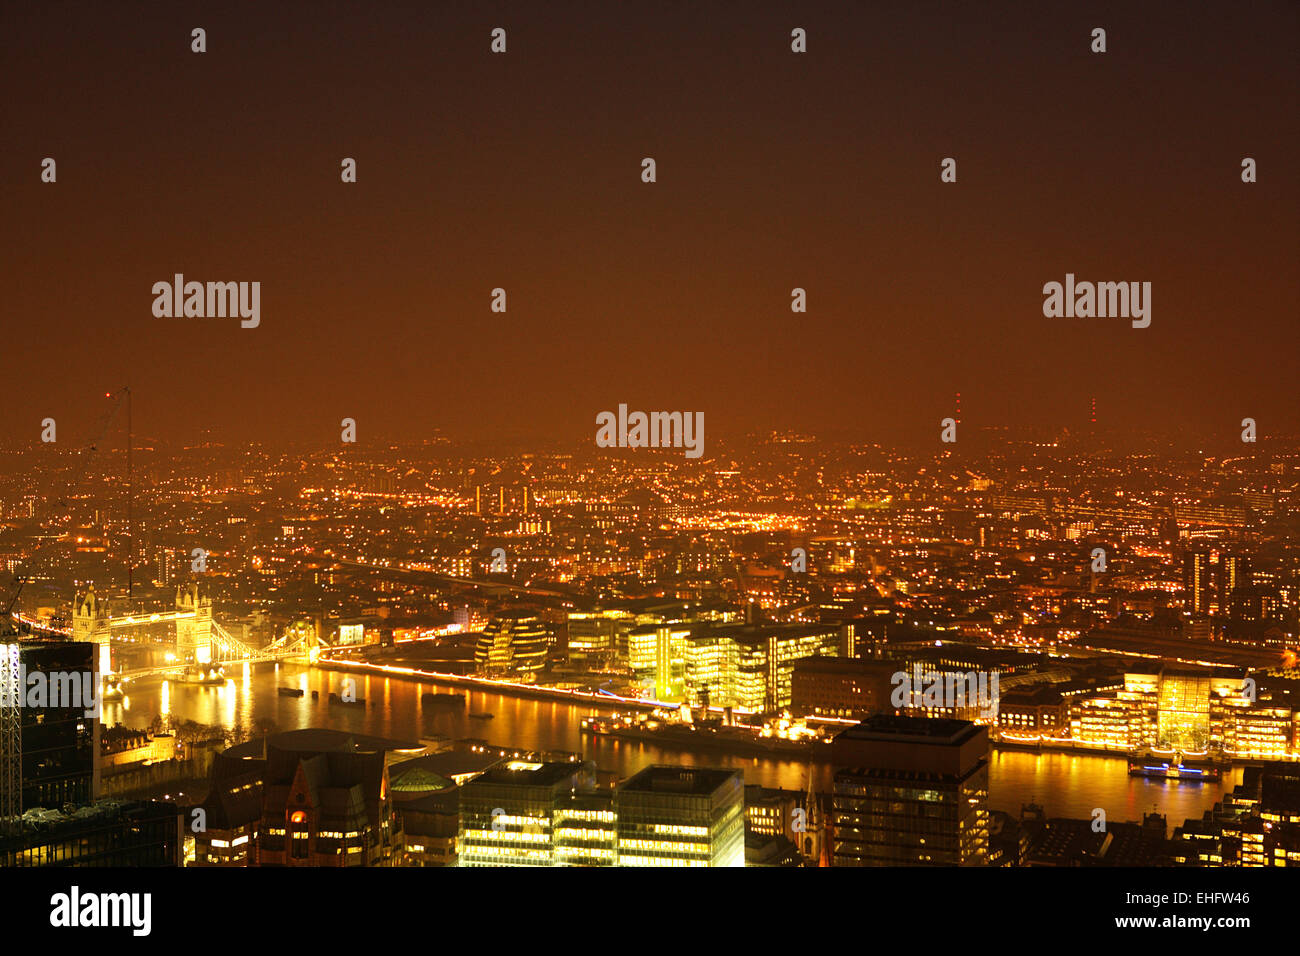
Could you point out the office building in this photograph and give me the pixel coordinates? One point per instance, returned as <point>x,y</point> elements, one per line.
<point>508,813</point>
<point>104,834</point>
<point>681,816</point>
<point>841,687</point>
<point>911,791</point>
<point>586,829</point>
<point>49,743</point>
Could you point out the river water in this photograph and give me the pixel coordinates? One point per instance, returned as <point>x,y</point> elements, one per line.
<point>1064,784</point>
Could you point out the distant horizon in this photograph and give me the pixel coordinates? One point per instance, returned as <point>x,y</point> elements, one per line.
<point>1226,439</point>
<point>813,178</point>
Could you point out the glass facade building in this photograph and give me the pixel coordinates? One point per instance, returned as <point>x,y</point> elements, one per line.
<point>682,816</point>
<point>59,743</point>
<point>508,814</point>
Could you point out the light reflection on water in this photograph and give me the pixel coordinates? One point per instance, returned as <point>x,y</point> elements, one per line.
<point>1064,784</point>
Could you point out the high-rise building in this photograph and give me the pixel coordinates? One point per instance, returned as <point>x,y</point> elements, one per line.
<point>523,813</point>
<point>681,816</point>
<point>598,636</point>
<point>1196,581</point>
<point>167,566</point>
<point>1234,573</point>
<point>911,791</point>
<point>49,730</point>
<point>743,665</point>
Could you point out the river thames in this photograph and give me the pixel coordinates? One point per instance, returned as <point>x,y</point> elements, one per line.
<point>1064,784</point>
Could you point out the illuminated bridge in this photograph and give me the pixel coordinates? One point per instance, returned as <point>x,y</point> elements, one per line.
<point>200,641</point>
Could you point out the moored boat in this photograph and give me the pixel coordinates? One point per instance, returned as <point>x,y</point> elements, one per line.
<point>1176,767</point>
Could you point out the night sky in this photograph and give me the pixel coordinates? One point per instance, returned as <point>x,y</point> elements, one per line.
<point>522,171</point>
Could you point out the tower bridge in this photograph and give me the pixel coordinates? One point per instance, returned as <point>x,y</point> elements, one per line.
<point>196,640</point>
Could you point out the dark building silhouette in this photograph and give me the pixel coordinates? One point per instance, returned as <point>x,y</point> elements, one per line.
<point>59,745</point>
<point>911,791</point>
<point>108,833</point>
<point>303,798</point>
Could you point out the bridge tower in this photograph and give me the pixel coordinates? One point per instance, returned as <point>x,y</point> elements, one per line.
<point>90,622</point>
<point>193,634</point>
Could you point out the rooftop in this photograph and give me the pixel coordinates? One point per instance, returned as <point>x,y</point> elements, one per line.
<point>520,773</point>
<point>887,727</point>
<point>321,740</point>
<point>694,780</point>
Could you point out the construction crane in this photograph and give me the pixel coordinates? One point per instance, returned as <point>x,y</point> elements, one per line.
<point>11,718</point>
<point>11,735</point>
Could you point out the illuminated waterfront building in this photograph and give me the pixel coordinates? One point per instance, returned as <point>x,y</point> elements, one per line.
<point>1040,711</point>
<point>657,653</point>
<point>1183,716</point>
<point>1259,732</point>
<point>681,816</point>
<point>841,687</point>
<point>599,637</point>
<point>1141,692</point>
<point>711,668</point>
<point>514,645</point>
<point>1105,721</point>
<point>1183,709</point>
<point>909,791</point>
<point>752,666</point>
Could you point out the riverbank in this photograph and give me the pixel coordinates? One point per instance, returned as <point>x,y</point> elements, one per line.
<point>486,684</point>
